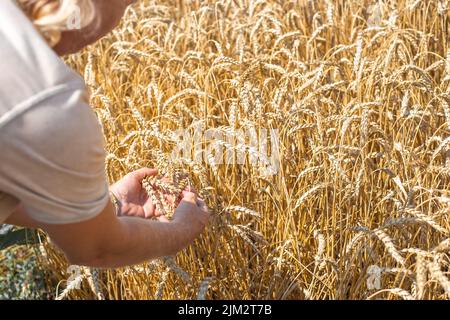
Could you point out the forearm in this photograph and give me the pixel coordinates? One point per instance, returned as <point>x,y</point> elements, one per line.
<point>20,218</point>
<point>109,241</point>
<point>138,240</point>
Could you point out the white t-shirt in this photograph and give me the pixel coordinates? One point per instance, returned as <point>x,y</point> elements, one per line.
<point>51,144</point>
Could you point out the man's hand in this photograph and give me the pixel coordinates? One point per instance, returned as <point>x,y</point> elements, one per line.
<point>192,214</point>
<point>108,241</point>
<point>134,200</point>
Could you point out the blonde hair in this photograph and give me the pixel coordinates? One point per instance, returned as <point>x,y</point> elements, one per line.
<point>52,17</point>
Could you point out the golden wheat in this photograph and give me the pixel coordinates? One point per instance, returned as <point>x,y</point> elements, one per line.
<point>360,106</point>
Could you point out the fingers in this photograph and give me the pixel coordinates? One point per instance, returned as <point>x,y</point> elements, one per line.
<point>204,211</point>
<point>170,199</point>
<point>144,172</point>
<point>162,219</point>
<point>202,205</point>
<point>149,210</point>
<point>189,197</point>
<point>193,199</point>
<point>191,189</point>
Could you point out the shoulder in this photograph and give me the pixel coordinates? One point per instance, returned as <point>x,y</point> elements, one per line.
<point>54,160</point>
<point>63,128</point>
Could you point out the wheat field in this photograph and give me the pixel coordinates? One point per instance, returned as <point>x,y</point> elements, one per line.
<point>358,93</point>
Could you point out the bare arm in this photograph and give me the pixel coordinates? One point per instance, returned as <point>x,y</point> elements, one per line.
<point>108,241</point>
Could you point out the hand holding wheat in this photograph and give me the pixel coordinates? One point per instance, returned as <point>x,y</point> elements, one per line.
<point>191,213</point>
<point>134,199</point>
<point>166,191</point>
<point>145,193</point>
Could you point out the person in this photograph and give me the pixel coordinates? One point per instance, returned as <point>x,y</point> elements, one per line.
<point>52,173</point>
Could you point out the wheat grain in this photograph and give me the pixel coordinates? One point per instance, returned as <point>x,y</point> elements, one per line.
<point>405,295</point>
<point>405,105</point>
<point>71,286</point>
<point>389,244</point>
<point>421,275</point>
<point>319,257</point>
<point>173,266</point>
<point>93,276</point>
<point>309,193</point>
<point>203,288</point>
<point>436,273</point>
<point>427,219</point>
<point>241,210</point>
<point>358,54</point>
<point>161,284</point>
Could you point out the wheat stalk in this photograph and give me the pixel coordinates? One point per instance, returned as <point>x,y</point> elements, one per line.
<point>390,247</point>
<point>436,273</point>
<point>71,286</point>
<point>405,295</point>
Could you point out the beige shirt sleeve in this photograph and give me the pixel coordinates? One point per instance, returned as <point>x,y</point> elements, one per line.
<point>51,144</point>
<point>52,156</point>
